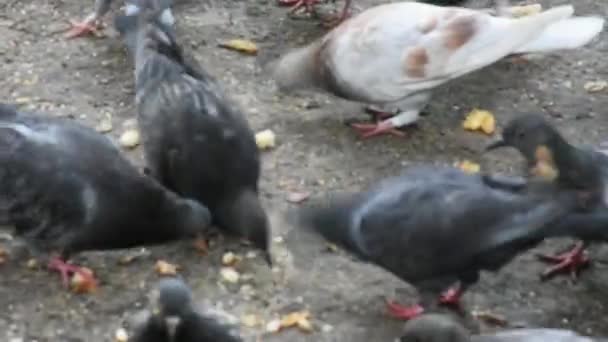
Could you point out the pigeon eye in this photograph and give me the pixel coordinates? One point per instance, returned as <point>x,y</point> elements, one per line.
<point>521,135</point>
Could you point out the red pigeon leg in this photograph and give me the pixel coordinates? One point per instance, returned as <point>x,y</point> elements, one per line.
<point>404,312</point>
<point>90,25</point>
<point>66,270</point>
<point>572,262</point>
<point>388,126</point>
<point>452,296</point>
<point>368,130</point>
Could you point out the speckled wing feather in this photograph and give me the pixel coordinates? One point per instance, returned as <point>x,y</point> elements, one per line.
<point>438,223</point>
<point>392,51</point>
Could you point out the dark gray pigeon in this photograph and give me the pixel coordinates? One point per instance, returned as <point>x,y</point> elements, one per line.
<point>196,141</point>
<point>92,22</point>
<point>433,227</point>
<point>65,188</point>
<point>441,328</point>
<point>177,320</point>
<point>550,156</point>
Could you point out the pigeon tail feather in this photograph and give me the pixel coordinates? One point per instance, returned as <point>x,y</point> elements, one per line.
<point>523,30</point>
<point>571,33</point>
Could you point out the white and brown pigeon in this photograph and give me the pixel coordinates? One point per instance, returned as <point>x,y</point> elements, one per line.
<point>394,55</point>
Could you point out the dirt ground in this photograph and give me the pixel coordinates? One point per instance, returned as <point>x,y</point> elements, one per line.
<point>91,80</point>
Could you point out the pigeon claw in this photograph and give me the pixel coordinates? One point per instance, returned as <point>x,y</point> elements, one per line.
<point>378,115</point>
<point>67,270</point>
<point>298,4</point>
<point>403,312</point>
<point>80,29</point>
<point>451,297</point>
<point>368,130</point>
<point>572,262</point>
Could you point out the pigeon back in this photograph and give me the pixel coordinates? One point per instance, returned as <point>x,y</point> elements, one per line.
<point>196,141</point>
<point>65,181</point>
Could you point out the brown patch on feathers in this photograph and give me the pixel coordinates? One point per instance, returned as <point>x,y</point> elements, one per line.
<point>415,62</point>
<point>459,31</point>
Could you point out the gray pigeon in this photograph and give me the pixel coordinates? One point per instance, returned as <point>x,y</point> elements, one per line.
<point>433,227</point>
<point>441,328</point>
<point>92,22</point>
<point>550,156</point>
<point>65,188</point>
<point>395,54</point>
<point>196,141</point>
<point>177,320</point>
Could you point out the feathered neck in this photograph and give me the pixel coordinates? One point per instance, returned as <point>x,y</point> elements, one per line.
<point>299,68</point>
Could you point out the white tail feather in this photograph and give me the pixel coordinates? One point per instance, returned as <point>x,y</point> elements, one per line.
<point>570,33</point>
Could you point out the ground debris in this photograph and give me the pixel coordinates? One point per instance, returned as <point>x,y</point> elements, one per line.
<point>265,139</point>
<point>166,269</point>
<point>490,317</point>
<point>468,166</point>
<point>480,120</point>
<point>240,45</point>
<point>595,86</point>
<point>298,197</point>
<point>80,284</point>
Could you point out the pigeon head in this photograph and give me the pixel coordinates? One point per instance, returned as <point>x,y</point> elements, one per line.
<point>192,218</point>
<point>159,8</point>
<point>537,141</point>
<point>528,133</point>
<point>175,298</point>
<point>434,328</point>
<point>150,23</point>
<point>246,217</point>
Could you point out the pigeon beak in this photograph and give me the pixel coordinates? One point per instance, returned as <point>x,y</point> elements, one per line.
<point>496,144</point>
<point>268,259</point>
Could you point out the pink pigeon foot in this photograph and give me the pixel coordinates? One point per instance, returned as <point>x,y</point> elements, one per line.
<point>404,312</point>
<point>66,270</point>
<point>571,262</point>
<point>368,130</point>
<point>86,27</point>
<point>378,115</point>
<point>451,297</point>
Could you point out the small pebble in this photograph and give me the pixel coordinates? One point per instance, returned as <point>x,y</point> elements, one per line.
<point>229,259</point>
<point>129,139</point>
<point>250,321</point>
<point>273,326</point>
<point>326,328</point>
<point>265,139</point>
<point>230,275</point>
<point>104,126</point>
<point>121,335</point>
